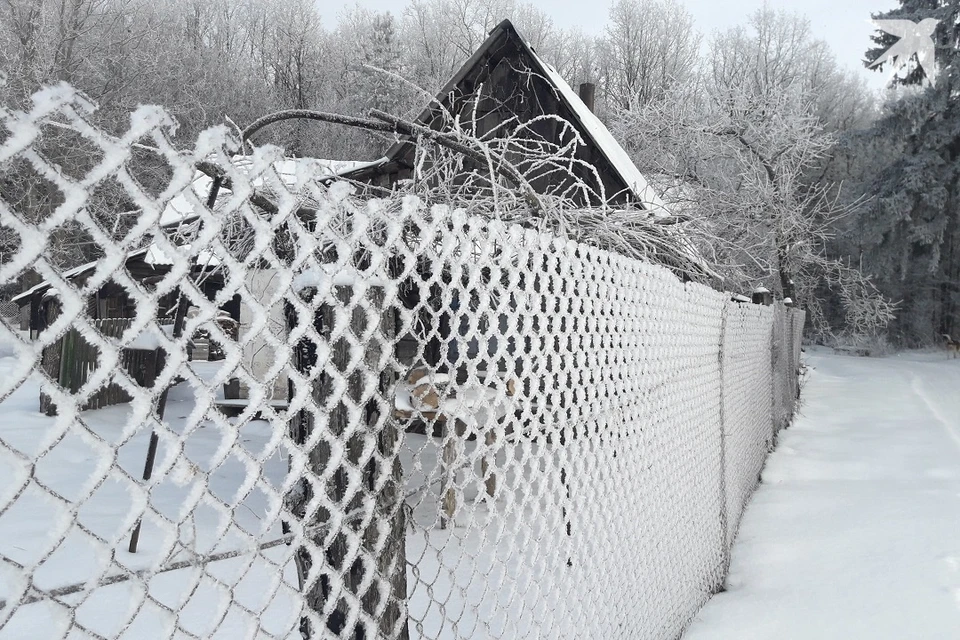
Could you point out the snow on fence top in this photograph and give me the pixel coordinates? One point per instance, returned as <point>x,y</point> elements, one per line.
<point>575,438</point>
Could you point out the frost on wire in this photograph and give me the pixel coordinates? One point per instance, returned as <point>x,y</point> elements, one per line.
<point>595,429</point>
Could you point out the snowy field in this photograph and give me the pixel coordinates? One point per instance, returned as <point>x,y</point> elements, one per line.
<point>855,529</point>
<point>31,528</point>
<point>487,588</point>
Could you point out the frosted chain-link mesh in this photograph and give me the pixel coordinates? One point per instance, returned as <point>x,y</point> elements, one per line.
<point>747,399</point>
<point>451,429</point>
<point>787,332</point>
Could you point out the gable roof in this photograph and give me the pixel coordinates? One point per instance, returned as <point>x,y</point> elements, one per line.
<point>594,133</point>
<point>604,140</point>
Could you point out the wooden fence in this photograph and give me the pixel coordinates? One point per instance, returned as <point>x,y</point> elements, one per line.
<point>71,360</point>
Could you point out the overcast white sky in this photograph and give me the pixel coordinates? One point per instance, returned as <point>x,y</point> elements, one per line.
<point>842,23</point>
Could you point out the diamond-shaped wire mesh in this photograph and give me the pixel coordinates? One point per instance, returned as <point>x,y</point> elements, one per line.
<point>371,419</point>
<point>747,403</point>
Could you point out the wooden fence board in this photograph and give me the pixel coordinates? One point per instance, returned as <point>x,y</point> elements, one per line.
<point>71,361</point>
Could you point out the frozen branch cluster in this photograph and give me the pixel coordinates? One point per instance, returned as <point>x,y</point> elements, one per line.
<point>742,151</point>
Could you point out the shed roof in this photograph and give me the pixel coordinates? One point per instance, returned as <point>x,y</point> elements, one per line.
<point>293,172</point>
<point>76,272</point>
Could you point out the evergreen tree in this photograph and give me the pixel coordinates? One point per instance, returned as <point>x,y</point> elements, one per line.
<point>911,229</point>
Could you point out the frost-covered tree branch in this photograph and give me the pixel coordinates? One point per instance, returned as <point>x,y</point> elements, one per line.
<point>737,152</point>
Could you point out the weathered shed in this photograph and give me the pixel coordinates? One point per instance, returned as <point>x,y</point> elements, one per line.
<point>110,300</point>
<point>506,84</point>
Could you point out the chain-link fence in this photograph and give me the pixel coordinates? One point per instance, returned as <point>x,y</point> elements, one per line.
<point>424,424</point>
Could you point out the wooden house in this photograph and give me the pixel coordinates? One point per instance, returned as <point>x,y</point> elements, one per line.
<point>110,309</point>
<point>505,84</point>
<point>110,304</point>
<point>109,301</point>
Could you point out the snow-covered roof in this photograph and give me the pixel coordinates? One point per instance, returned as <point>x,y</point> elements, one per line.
<point>156,257</point>
<point>151,255</point>
<point>604,140</point>
<point>68,274</point>
<point>590,125</point>
<point>294,172</point>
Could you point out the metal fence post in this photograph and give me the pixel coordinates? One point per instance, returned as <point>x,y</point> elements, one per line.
<point>724,516</point>
<point>160,407</point>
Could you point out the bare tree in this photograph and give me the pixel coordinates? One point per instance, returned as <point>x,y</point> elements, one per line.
<point>649,47</point>
<point>776,52</point>
<point>737,163</point>
<point>743,152</point>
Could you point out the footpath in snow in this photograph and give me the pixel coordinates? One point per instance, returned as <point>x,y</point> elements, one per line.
<point>855,529</point>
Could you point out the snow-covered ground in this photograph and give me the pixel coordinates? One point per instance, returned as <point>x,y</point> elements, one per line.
<point>31,528</point>
<point>854,532</point>
<point>457,576</point>
<point>855,529</point>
